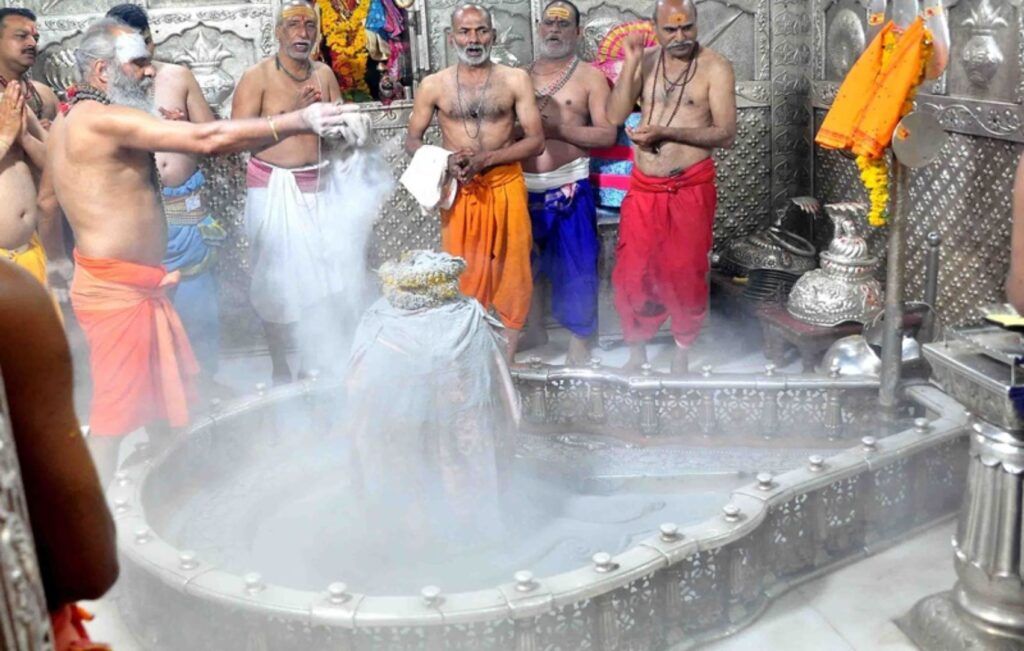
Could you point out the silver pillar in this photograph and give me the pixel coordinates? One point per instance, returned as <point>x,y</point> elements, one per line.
<point>893,325</point>
<point>931,285</point>
<point>985,609</point>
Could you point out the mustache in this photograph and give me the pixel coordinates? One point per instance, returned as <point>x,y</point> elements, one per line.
<point>30,50</point>
<point>682,46</point>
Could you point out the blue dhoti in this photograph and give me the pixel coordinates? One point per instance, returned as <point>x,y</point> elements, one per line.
<point>193,238</point>
<point>566,246</point>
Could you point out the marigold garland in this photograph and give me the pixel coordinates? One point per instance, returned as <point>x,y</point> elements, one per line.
<point>346,39</point>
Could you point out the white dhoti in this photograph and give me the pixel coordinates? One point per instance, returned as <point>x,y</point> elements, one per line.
<point>308,229</point>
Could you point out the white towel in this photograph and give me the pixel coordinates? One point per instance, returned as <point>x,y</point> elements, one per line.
<point>426,181</point>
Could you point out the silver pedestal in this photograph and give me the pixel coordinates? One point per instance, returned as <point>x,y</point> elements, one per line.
<point>985,608</point>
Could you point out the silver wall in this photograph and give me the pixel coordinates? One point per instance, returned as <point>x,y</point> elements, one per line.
<point>965,195</point>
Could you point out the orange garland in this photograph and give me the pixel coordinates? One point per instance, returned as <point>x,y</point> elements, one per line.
<point>346,39</point>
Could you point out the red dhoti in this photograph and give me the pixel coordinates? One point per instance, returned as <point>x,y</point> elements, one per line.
<point>141,361</point>
<point>661,261</point>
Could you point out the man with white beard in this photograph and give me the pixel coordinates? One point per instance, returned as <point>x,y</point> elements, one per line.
<point>478,103</point>
<point>570,96</point>
<point>100,168</point>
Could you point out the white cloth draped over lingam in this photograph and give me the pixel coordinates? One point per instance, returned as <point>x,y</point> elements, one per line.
<point>432,408</point>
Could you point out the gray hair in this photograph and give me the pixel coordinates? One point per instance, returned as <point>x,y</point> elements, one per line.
<point>98,44</point>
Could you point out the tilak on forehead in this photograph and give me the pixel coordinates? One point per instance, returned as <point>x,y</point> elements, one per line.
<point>129,47</point>
<point>679,18</point>
<point>298,9</point>
<point>558,11</point>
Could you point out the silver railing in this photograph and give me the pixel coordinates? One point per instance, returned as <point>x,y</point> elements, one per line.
<point>770,404</point>
<point>677,588</point>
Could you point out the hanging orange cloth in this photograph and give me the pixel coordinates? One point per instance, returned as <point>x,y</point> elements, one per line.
<point>900,76</point>
<point>142,364</point>
<point>489,227</point>
<point>872,97</point>
<point>855,92</point>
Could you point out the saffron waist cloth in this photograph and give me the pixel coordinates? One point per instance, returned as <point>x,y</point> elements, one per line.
<point>873,96</point>
<point>489,227</point>
<point>141,360</point>
<point>661,264</point>
<point>31,258</point>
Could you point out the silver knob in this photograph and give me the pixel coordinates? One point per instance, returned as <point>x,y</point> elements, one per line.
<point>187,560</point>
<point>769,369</point>
<point>431,595</point>
<point>869,443</point>
<point>603,563</point>
<point>646,368</point>
<point>595,363</point>
<point>524,581</point>
<point>816,463</point>
<point>764,481</point>
<point>337,593</point>
<point>261,389</point>
<point>120,505</point>
<point>670,532</point>
<point>122,478</point>
<point>922,425</point>
<point>253,583</point>
<point>833,370</point>
<point>706,370</point>
<point>731,513</point>
<point>143,536</point>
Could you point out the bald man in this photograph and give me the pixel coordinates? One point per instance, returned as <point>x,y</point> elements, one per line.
<point>689,109</point>
<point>285,206</point>
<point>478,103</point>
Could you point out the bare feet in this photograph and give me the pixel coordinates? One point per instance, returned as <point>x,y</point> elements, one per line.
<point>579,352</point>
<point>512,342</point>
<point>533,336</point>
<point>637,358</point>
<point>680,361</point>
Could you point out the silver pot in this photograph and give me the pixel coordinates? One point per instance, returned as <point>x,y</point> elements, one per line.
<point>844,288</point>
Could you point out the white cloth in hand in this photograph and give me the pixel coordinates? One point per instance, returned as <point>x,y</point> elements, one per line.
<point>427,180</point>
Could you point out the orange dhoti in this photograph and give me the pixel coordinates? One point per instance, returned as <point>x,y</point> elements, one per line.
<point>142,364</point>
<point>489,227</point>
<point>31,258</point>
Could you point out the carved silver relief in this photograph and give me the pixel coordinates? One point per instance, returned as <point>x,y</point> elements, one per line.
<point>981,55</point>
<point>846,41</point>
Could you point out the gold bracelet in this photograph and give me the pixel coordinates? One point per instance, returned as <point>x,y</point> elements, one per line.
<point>273,129</point>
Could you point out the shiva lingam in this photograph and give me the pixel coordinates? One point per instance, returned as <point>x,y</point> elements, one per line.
<point>772,259</point>
<point>844,288</point>
<point>981,368</point>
